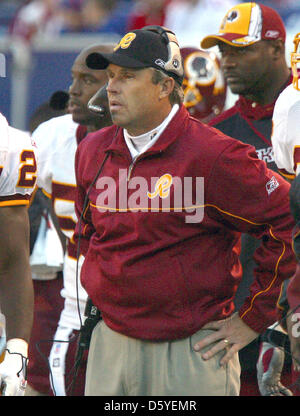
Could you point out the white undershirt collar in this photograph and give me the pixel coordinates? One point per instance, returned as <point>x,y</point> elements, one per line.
<point>139,144</point>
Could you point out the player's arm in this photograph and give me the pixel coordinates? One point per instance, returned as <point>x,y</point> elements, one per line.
<point>17,182</point>
<point>16,297</point>
<point>16,288</point>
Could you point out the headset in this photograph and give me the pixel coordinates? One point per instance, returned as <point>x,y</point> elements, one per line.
<point>175,62</point>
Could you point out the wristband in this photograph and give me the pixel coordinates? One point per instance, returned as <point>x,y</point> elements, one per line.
<point>273,336</point>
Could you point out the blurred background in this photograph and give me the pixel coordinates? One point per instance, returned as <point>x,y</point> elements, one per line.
<point>39,39</point>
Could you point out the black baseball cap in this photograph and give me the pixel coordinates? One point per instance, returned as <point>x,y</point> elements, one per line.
<point>142,48</point>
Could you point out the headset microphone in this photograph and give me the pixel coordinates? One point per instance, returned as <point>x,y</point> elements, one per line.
<point>95,104</point>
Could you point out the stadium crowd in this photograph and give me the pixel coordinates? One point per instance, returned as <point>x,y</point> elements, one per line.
<point>28,18</point>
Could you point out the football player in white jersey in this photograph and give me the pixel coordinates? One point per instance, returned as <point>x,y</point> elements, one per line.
<point>286,146</point>
<point>18,174</point>
<point>286,133</point>
<point>57,141</point>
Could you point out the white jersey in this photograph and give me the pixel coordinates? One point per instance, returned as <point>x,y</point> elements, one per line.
<point>57,144</point>
<point>18,167</point>
<point>286,132</point>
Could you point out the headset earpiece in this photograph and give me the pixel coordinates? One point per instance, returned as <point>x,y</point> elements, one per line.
<point>174,63</point>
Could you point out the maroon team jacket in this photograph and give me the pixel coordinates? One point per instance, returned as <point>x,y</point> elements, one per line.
<point>157,268</point>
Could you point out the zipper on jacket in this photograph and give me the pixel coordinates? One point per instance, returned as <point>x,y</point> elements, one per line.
<point>134,160</point>
<point>131,166</point>
<point>129,171</point>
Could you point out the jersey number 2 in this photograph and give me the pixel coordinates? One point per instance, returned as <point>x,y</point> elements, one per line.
<point>28,168</point>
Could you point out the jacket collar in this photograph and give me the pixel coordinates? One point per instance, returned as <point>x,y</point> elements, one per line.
<point>168,136</point>
<point>81,132</point>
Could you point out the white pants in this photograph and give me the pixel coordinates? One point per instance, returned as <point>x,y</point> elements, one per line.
<point>57,360</point>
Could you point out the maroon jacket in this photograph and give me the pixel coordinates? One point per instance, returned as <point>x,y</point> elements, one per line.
<point>152,273</point>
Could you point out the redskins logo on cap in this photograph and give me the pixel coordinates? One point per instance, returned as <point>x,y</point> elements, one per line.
<point>233,15</point>
<point>126,40</point>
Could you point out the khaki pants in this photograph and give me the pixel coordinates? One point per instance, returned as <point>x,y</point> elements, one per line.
<point>123,366</point>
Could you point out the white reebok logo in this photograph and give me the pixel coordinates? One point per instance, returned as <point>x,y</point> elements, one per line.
<point>272,185</point>
<point>272,34</point>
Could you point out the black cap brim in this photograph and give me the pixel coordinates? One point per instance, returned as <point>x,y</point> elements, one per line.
<point>102,60</point>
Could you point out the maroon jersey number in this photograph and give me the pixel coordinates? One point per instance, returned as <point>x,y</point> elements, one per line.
<point>28,168</point>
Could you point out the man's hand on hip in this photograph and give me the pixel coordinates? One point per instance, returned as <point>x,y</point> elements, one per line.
<point>231,334</point>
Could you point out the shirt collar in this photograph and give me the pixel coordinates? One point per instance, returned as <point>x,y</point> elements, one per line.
<point>168,136</point>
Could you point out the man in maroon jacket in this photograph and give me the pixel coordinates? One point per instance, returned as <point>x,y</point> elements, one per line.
<point>161,201</point>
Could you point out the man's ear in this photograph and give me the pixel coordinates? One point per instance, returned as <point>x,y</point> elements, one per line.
<point>167,86</point>
<point>278,46</point>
